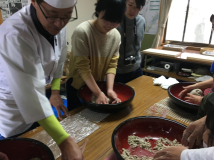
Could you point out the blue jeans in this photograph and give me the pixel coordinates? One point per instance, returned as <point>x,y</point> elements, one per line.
<point>127,77</point>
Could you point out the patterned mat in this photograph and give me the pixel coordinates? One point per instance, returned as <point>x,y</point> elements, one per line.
<point>77,126</point>
<point>93,116</point>
<point>166,108</point>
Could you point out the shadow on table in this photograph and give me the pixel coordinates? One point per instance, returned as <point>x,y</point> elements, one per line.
<point>119,114</point>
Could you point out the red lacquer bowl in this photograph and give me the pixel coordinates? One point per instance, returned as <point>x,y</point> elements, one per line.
<point>173,92</point>
<point>25,149</point>
<point>145,126</point>
<point>123,91</point>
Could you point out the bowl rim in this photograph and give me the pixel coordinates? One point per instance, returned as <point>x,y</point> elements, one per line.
<point>181,99</point>
<point>45,147</point>
<point>130,119</point>
<point>90,103</point>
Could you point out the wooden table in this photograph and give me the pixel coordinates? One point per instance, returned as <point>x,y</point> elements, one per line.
<point>99,145</point>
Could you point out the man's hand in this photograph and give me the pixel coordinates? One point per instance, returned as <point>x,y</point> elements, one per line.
<point>208,138</point>
<point>194,132</point>
<point>193,99</point>
<point>3,156</point>
<point>57,102</point>
<point>70,150</point>
<point>170,153</point>
<point>112,95</point>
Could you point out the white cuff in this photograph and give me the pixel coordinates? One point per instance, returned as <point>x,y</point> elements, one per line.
<point>198,154</point>
<point>184,155</point>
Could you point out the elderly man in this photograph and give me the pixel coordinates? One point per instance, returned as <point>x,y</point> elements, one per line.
<point>32,54</point>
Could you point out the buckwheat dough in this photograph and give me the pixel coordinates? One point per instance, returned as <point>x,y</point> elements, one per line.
<point>135,141</point>
<point>93,98</point>
<point>144,143</point>
<point>127,156</point>
<point>197,92</point>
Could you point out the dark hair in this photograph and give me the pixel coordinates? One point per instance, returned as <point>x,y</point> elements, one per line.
<point>140,3</point>
<point>39,1</point>
<point>210,124</point>
<point>114,9</point>
<point>211,18</point>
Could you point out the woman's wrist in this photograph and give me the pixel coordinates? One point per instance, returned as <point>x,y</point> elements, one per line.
<point>109,90</point>
<point>97,93</point>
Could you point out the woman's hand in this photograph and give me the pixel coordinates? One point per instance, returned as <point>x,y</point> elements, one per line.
<point>193,99</point>
<point>112,95</point>
<point>170,153</point>
<point>101,99</point>
<point>186,90</point>
<point>3,156</point>
<point>70,150</point>
<point>194,132</point>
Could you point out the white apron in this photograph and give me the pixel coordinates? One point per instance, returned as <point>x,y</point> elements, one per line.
<point>27,63</point>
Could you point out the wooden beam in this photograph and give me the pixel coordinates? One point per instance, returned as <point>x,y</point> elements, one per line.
<point>1,19</point>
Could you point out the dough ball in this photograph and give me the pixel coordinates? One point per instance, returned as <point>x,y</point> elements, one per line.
<point>93,98</point>
<point>197,92</point>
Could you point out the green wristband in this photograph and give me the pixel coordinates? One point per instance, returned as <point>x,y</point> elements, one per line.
<point>52,126</point>
<point>55,84</point>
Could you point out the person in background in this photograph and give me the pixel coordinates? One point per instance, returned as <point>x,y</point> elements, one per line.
<point>95,52</point>
<point>132,30</point>
<point>32,53</point>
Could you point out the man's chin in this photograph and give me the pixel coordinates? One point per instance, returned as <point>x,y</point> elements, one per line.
<point>54,32</point>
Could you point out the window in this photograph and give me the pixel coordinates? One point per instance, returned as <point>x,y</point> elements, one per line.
<point>189,21</point>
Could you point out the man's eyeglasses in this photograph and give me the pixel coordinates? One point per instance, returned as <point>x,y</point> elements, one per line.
<point>55,19</point>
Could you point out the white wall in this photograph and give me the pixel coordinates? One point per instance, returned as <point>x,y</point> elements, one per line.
<point>85,11</point>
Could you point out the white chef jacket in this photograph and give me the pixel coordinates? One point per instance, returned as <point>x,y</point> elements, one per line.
<point>27,62</point>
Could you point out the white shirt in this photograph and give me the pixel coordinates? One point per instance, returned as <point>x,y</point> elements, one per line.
<point>198,154</point>
<point>27,63</point>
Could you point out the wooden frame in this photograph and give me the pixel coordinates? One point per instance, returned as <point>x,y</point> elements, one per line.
<point>193,44</point>
<point>1,19</point>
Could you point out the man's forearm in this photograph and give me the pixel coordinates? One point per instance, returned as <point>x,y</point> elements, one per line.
<point>55,84</point>
<point>52,126</point>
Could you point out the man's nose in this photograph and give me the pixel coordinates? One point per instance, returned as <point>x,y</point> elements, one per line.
<point>60,23</point>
